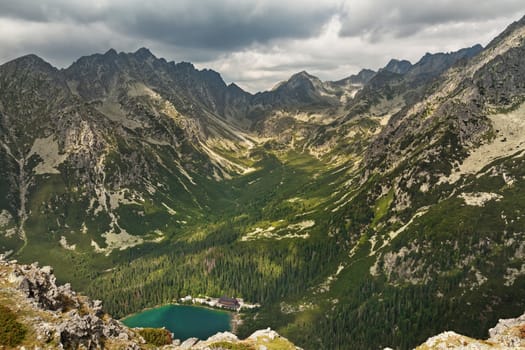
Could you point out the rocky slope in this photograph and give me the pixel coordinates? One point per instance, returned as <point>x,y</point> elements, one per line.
<point>116,130</point>
<point>56,317</point>
<point>506,335</point>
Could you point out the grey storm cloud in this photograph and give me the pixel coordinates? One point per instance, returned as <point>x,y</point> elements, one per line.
<point>377,19</point>
<point>254,42</point>
<point>209,24</point>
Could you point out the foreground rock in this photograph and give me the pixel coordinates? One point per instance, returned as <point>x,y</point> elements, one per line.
<point>508,334</point>
<point>58,318</point>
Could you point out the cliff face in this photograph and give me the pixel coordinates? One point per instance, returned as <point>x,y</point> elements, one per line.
<point>56,317</point>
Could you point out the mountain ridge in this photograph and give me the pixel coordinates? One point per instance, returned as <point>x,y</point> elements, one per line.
<point>145,54</point>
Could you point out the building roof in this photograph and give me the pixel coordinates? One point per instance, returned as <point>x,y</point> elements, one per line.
<point>229,301</point>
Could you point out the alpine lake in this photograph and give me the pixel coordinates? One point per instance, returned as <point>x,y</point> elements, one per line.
<point>183,321</point>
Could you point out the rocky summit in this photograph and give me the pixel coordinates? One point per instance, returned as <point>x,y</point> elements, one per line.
<point>372,211</point>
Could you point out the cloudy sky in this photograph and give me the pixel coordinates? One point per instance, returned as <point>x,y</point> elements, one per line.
<point>255,43</point>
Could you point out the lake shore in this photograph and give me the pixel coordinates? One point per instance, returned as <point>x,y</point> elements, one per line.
<point>184,321</point>
<point>235,322</point>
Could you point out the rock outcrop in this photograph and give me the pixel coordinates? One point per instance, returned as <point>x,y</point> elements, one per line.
<point>58,316</point>
<point>506,335</point>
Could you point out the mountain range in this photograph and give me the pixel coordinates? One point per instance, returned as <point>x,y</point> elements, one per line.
<point>376,210</point>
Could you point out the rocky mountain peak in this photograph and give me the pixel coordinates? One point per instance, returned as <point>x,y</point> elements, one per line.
<point>111,53</point>
<point>144,54</point>
<point>361,78</point>
<point>436,63</point>
<point>432,65</point>
<point>301,89</point>
<point>235,89</point>
<point>303,75</point>
<point>508,32</point>
<point>234,86</point>
<point>41,83</point>
<point>187,66</point>
<point>364,76</point>
<point>31,62</point>
<point>398,66</point>
<point>477,47</point>
<point>301,80</point>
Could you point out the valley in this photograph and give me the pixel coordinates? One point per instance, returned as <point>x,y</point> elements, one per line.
<point>362,213</point>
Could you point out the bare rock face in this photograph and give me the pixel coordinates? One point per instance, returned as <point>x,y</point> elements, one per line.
<point>506,335</point>
<point>86,331</point>
<point>188,343</point>
<point>61,317</point>
<point>509,332</point>
<point>40,285</point>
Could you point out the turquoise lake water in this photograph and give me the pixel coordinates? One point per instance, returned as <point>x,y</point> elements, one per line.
<point>182,320</point>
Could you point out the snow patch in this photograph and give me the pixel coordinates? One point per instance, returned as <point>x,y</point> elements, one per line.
<point>225,164</point>
<point>258,233</point>
<point>253,181</point>
<point>341,202</point>
<point>159,238</point>
<point>185,173</point>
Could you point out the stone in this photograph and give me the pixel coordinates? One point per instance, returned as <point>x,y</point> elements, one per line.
<point>188,343</point>
<point>223,336</point>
